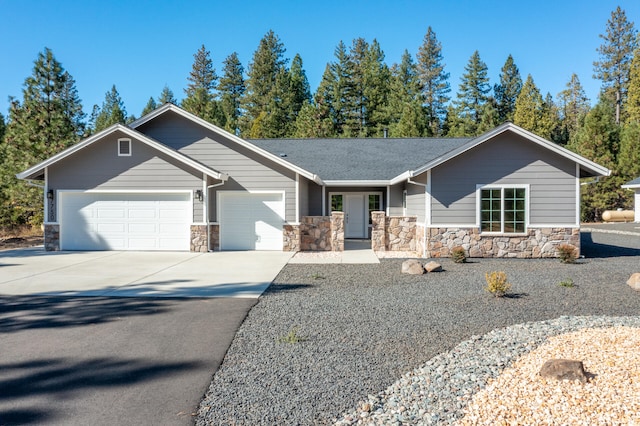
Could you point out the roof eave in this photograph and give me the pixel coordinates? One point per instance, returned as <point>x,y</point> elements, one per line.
<point>357,182</point>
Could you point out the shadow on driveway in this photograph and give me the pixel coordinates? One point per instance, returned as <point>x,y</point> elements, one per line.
<point>596,245</point>
<point>105,361</point>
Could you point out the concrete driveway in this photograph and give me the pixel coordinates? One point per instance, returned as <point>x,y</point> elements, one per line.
<point>136,274</point>
<point>144,359</point>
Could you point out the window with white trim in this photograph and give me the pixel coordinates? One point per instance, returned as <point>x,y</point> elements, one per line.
<point>503,210</point>
<point>124,147</point>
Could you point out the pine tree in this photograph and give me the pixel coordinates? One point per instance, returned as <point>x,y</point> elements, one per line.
<point>313,121</point>
<point>3,127</point>
<point>508,90</point>
<point>529,107</point>
<point>48,119</point>
<point>166,96</point>
<point>334,92</point>
<point>299,92</point>
<point>599,140</point>
<point>200,96</point>
<point>434,82</point>
<point>633,100</point>
<point>355,125</point>
<point>472,94</point>
<point>377,80</point>
<point>111,112</point>
<point>629,155</point>
<point>405,100</point>
<point>264,73</point>
<point>150,106</point>
<point>231,90</point>
<point>574,106</point>
<point>620,41</point>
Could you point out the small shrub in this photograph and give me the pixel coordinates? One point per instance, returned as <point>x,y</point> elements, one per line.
<point>497,283</point>
<point>292,337</point>
<point>567,253</point>
<point>567,283</point>
<point>458,255</point>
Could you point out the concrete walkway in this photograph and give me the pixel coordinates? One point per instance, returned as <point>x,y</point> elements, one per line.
<point>355,252</point>
<point>139,274</point>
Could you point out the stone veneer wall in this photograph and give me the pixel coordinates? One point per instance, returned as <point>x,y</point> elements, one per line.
<point>401,233</point>
<point>198,240</point>
<point>337,231</point>
<point>52,237</point>
<point>291,237</point>
<point>214,237</point>
<point>537,243</point>
<point>315,233</point>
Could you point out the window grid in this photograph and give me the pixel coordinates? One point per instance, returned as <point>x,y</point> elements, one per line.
<point>503,210</point>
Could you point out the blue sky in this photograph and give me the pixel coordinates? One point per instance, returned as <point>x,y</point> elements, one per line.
<point>142,45</point>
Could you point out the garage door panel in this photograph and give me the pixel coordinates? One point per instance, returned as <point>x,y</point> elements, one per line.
<point>251,221</point>
<point>125,221</point>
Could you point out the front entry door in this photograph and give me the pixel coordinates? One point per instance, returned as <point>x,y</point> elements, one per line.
<point>355,223</point>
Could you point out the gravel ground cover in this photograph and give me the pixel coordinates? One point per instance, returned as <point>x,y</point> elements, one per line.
<point>357,329</point>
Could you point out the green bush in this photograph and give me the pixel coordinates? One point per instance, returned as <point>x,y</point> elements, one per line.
<point>567,283</point>
<point>292,337</point>
<point>567,253</point>
<point>458,255</point>
<point>497,283</point>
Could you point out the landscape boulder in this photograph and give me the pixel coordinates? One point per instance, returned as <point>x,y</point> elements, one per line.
<point>412,267</point>
<point>564,369</point>
<point>433,267</point>
<point>634,281</point>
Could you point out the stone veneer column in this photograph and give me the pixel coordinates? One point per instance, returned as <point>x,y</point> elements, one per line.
<point>198,242</point>
<point>378,231</point>
<point>214,237</point>
<point>291,238</point>
<point>52,237</point>
<point>337,231</point>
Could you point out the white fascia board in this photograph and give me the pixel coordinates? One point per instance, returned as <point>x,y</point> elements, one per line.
<point>132,133</point>
<point>356,182</point>
<point>634,186</point>
<point>170,107</point>
<point>401,178</point>
<point>589,165</point>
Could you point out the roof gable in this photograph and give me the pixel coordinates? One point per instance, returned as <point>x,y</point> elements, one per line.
<point>587,167</point>
<point>37,171</point>
<point>229,136</point>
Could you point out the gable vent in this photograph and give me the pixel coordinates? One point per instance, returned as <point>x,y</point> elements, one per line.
<point>124,147</point>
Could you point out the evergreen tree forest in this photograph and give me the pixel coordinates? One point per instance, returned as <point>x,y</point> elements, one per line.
<point>361,94</point>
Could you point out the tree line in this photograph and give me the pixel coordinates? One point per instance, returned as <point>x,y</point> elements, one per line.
<point>359,95</point>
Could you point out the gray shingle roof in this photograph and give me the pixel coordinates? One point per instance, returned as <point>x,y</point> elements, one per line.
<point>636,181</point>
<point>359,159</point>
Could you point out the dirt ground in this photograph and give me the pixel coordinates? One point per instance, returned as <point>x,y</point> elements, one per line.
<point>13,242</point>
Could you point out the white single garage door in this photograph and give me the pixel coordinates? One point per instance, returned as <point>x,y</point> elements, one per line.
<point>124,221</point>
<point>251,221</point>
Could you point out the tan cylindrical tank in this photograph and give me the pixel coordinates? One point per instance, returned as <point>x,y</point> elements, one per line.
<point>618,216</point>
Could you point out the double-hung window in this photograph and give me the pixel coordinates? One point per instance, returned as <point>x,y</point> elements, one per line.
<point>503,209</point>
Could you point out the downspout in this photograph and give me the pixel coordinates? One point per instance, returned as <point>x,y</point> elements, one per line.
<point>206,200</point>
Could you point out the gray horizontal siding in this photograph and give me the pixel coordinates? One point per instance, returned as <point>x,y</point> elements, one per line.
<point>416,198</point>
<point>303,188</point>
<point>98,167</point>
<point>507,159</point>
<point>246,169</point>
<point>395,200</point>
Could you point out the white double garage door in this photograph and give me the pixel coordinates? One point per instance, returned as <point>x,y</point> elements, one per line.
<point>161,221</point>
